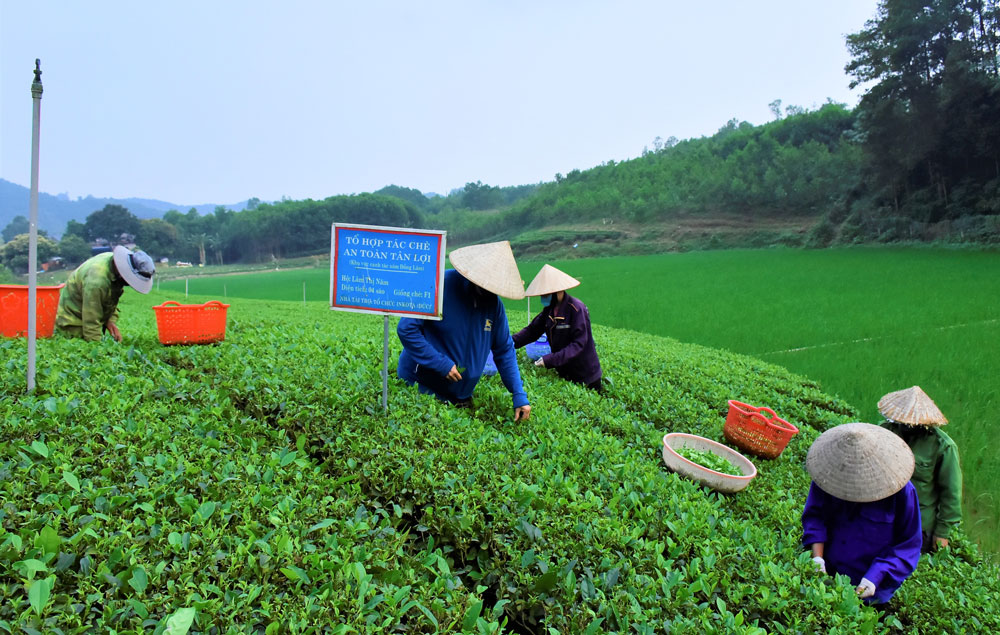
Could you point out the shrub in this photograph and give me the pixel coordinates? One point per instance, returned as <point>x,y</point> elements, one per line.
<point>256,486</point>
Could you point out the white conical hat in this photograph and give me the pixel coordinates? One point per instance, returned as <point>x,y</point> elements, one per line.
<point>492,267</point>
<point>550,280</point>
<point>912,407</point>
<point>860,462</point>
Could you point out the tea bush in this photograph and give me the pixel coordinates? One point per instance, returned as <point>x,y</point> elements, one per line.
<point>256,486</point>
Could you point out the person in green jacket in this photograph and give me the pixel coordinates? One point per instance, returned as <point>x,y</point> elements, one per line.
<point>937,476</point>
<point>88,304</point>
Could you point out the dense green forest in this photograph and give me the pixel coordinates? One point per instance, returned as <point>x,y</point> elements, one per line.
<point>918,159</point>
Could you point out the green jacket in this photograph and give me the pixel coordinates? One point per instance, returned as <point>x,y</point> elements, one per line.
<point>937,476</point>
<point>90,298</point>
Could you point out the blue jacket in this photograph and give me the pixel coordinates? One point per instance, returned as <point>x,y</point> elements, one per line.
<point>470,329</point>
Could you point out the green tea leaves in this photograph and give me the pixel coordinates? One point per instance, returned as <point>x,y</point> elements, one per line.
<point>205,511</point>
<point>139,580</point>
<point>39,592</point>
<point>710,460</point>
<point>71,480</point>
<point>295,574</point>
<point>48,540</point>
<point>40,449</point>
<point>323,524</point>
<point>180,622</point>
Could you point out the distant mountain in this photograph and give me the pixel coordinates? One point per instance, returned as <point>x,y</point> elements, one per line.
<point>55,211</point>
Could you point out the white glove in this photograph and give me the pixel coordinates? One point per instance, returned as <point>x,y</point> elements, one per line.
<point>866,589</point>
<point>820,563</point>
<point>540,362</point>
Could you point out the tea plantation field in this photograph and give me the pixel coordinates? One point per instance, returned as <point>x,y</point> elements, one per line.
<point>256,487</point>
<point>861,321</point>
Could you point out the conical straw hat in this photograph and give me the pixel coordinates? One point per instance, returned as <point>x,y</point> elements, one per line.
<point>550,280</point>
<point>912,407</point>
<point>860,462</point>
<point>492,267</point>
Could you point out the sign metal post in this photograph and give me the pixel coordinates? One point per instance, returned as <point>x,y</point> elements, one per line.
<point>387,271</point>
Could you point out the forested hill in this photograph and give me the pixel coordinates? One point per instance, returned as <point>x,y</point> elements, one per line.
<point>788,173</point>
<point>918,159</point>
<point>54,212</point>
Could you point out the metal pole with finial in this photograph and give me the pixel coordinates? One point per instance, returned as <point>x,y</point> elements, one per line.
<point>36,96</point>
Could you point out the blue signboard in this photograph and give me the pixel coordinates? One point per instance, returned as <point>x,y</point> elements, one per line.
<point>387,270</point>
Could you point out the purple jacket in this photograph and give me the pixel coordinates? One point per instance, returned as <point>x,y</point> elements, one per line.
<point>878,540</point>
<point>567,326</point>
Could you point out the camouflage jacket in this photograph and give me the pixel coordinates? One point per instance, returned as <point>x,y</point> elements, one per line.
<point>89,300</point>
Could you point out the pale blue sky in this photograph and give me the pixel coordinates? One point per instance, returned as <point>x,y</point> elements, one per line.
<point>218,101</point>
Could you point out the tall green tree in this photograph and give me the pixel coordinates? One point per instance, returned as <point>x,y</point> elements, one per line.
<point>479,196</point>
<point>110,223</point>
<point>17,226</point>
<point>157,237</point>
<point>14,253</point>
<point>75,228</point>
<point>73,249</point>
<point>930,117</point>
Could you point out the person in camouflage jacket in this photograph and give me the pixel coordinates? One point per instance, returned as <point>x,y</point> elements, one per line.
<point>88,304</point>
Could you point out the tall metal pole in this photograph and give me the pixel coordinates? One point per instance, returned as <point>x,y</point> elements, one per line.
<point>36,97</point>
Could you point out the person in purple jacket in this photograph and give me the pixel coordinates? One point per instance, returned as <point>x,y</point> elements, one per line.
<point>446,357</point>
<point>862,516</point>
<point>565,321</point>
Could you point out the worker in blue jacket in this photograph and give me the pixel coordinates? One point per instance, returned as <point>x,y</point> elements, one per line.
<point>446,357</point>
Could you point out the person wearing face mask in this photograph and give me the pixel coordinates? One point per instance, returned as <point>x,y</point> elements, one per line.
<point>565,321</point>
<point>916,419</point>
<point>446,357</point>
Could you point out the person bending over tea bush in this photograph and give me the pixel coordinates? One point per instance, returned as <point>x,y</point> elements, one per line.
<point>446,357</point>
<point>88,304</point>
<point>937,476</point>
<point>565,321</point>
<point>862,518</point>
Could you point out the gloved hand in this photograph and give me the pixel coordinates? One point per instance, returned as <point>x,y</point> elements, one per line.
<point>820,563</point>
<point>866,589</point>
<point>540,362</point>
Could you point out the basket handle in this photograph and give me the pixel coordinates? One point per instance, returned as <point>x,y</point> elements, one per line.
<point>774,415</point>
<point>761,417</point>
<point>784,426</point>
<point>216,303</point>
<point>170,303</point>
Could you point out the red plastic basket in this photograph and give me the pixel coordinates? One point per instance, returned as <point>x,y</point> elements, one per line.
<point>14,310</point>
<point>191,323</point>
<point>763,436</point>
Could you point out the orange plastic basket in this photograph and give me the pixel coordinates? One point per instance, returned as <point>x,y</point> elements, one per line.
<point>14,310</point>
<point>763,436</point>
<point>191,323</point>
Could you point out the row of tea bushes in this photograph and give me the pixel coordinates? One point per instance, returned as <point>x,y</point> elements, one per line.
<point>257,486</point>
<point>133,488</point>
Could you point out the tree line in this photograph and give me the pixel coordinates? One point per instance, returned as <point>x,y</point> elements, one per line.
<point>917,158</point>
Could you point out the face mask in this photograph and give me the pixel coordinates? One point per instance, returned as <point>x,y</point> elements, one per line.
<point>546,299</point>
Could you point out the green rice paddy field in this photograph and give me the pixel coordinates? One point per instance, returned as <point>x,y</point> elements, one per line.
<point>860,321</point>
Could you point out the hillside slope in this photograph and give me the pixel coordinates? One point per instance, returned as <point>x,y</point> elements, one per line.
<point>55,211</point>
<point>256,485</point>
